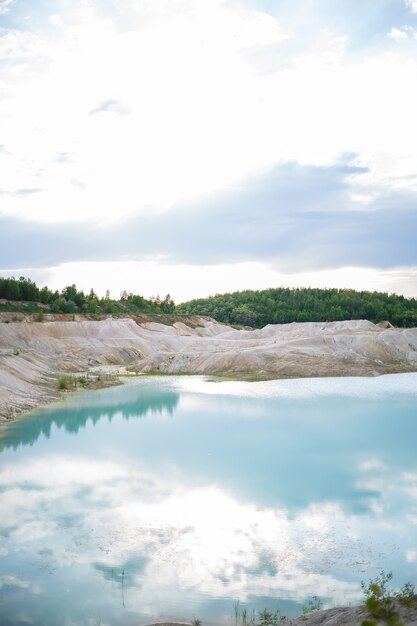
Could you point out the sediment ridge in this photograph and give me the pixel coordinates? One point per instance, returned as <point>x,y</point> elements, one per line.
<point>33,354</point>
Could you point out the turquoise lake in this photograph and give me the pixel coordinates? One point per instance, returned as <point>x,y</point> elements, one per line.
<point>172,498</point>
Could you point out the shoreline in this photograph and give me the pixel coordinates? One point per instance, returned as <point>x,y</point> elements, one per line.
<point>121,379</point>
<point>62,396</point>
<point>34,355</point>
<point>336,616</point>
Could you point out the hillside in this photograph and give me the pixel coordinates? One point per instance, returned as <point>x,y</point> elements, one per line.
<point>283,306</point>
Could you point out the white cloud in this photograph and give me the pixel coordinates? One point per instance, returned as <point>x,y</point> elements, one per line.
<point>175,77</point>
<point>178,535</point>
<point>411,556</point>
<point>172,108</point>
<point>412,5</point>
<point>200,117</point>
<point>5,6</point>
<point>397,34</point>
<point>112,106</point>
<point>167,517</point>
<point>13,581</point>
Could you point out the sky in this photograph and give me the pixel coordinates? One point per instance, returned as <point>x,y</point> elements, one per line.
<point>194,147</point>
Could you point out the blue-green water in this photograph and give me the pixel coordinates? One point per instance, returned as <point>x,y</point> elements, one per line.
<point>173,498</point>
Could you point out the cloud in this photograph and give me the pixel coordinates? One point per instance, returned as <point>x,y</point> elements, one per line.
<point>294,217</point>
<point>13,581</point>
<point>216,91</point>
<point>364,23</point>
<point>22,193</point>
<point>124,506</point>
<point>6,5</point>
<point>111,106</point>
<point>412,5</point>
<point>62,157</point>
<point>77,183</point>
<point>397,34</point>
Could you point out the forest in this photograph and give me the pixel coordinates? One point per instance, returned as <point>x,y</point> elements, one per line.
<point>285,305</point>
<point>24,295</point>
<point>242,308</point>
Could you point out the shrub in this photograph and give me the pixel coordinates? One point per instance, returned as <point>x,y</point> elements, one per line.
<point>381,600</point>
<point>65,381</point>
<point>312,606</point>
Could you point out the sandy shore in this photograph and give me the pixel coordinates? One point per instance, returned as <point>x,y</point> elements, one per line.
<point>34,354</point>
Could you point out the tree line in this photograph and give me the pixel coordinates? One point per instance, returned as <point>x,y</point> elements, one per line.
<point>285,305</point>
<point>246,308</point>
<point>72,300</point>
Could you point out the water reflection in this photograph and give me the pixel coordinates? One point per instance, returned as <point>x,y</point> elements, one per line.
<point>90,407</point>
<point>269,502</point>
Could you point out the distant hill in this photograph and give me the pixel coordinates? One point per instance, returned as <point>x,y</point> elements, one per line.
<point>283,305</point>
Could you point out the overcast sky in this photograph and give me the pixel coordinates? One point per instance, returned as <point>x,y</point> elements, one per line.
<point>202,146</point>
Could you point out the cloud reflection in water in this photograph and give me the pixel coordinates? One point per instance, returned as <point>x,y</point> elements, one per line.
<point>178,517</point>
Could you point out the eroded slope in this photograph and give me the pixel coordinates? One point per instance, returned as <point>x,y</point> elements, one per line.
<point>33,354</point>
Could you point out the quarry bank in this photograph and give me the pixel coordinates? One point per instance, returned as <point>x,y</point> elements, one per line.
<point>33,354</point>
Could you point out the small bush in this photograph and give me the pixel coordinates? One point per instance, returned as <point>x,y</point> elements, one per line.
<point>266,618</point>
<point>256,618</point>
<point>65,381</point>
<point>381,600</point>
<point>312,606</point>
<point>407,595</point>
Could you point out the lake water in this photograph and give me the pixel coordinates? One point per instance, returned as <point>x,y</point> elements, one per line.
<point>176,497</point>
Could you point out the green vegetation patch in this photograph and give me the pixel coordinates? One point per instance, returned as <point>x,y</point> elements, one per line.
<point>70,382</point>
<point>382,602</point>
<point>24,296</point>
<point>282,306</point>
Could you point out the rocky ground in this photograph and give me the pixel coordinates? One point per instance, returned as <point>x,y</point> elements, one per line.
<point>352,616</point>
<point>345,616</point>
<point>33,354</point>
